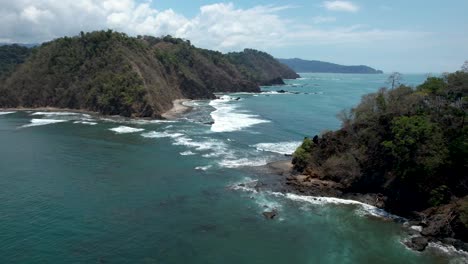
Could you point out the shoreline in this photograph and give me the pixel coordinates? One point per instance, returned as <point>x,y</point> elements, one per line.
<point>177,109</point>
<point>51,109</point>
<point>420,226</point>
<point>305,185</point>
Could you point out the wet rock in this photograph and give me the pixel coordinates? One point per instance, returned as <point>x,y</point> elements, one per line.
<point>270,214</point>
<point>417,243</point>
<point>209,123</point>
<point>458,244</point>
<point>281,91</point>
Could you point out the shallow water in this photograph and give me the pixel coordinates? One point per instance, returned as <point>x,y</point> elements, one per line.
<point>81,189</point>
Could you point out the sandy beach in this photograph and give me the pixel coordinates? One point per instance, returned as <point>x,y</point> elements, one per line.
<point>177,109</point>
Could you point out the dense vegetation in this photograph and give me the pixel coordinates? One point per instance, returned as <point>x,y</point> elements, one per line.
<point>11,56</point>
<point>299,65</point>
<point>115,74</point>
<point>410,144</point>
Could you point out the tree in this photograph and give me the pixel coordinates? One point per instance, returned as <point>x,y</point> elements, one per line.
<point>395,79</point>
<point>433,85</point>
<point>417,146</point>
<point>464,67</point>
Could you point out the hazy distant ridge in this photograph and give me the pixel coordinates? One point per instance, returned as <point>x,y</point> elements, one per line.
<point>300,65</point>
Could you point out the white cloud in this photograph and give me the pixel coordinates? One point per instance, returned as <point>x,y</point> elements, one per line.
<point>345,6</point>
<point>323,19</point>
<point>219,26</point>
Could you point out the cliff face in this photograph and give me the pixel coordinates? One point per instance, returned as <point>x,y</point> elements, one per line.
<point>114,74</point>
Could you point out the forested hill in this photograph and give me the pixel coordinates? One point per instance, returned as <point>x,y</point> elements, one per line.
<point>408,144</point>
<point>299,65</point>
<point>112,73</point>
<point>10,56</point>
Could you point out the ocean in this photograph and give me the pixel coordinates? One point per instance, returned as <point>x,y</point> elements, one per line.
<point>78,188</point>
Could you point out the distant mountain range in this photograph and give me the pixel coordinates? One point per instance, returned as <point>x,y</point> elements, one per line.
<point>30,45</point>
<point>300,65</point>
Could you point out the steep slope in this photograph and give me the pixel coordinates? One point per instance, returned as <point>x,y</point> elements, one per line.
<point>299,65</point>
<point>114,74</point>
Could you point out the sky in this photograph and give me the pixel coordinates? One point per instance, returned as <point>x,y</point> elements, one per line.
<point>417,36</point>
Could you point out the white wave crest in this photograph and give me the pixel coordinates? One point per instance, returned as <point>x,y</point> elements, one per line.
<point>210,144</point>
<point>203,168</point>
<point>243,162</point>
<point>43,122</point>
<point>228,118</point>
<point>366,208</point>
<point>459,256</point>
<point>6,113</point>
<point>285,148</point>
<point>85,123</point>
<point>49,114</point>
<point>126,129</point>
<point>164,134</point>
<point>187,153</point>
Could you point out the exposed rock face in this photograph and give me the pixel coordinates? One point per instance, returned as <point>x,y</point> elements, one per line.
<point>417,243</point>
<point>114,74</point>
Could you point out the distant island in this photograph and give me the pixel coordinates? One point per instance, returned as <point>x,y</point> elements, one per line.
<point>114,74</point>
<point>314,66</point>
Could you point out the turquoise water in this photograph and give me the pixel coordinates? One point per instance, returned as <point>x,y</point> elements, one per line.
<point>85,189</point>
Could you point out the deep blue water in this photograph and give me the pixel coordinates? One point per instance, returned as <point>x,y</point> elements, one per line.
<point>129,191</point>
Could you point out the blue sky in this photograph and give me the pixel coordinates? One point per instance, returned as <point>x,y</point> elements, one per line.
<point>405,36</point>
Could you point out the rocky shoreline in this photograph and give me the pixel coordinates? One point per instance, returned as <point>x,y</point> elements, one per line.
<point>177,109</point>
<point>431,225</point>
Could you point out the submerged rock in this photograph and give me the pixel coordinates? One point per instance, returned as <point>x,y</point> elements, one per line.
<point>270,214</point>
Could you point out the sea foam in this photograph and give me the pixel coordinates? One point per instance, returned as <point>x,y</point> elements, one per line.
<point>164,134</point>
<point>187,153</point>
<point>85,123</point>
<point>43,122</point>
<point>284,148</point>
<point>6,113</point>
<point>243,162</point>
<point>126,130</point>
<point>203,168</point>
<point>51,114</point>
<point>228,118</point>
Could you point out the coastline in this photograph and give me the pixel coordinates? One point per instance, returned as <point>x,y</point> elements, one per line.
<point>177,109</point>
<point>51,109</point>
<point>423,228</point>
<point>305,185</point>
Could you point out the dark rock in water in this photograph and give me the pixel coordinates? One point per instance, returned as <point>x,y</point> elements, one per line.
<point>209,123</point>
<point>270,214</point>
<point>417,243</point>
<point>281,91</point>
<point>237,99</point>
